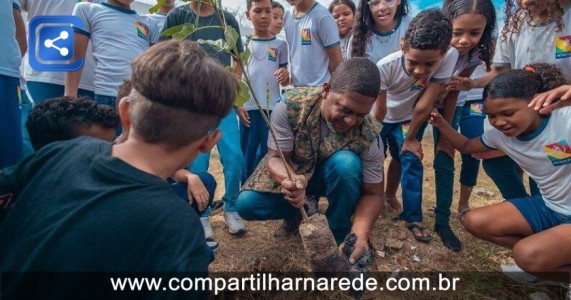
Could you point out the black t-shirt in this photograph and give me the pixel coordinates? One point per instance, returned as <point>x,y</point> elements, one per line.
<point>76,209</point>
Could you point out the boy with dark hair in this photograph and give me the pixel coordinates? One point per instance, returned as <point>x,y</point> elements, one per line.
<point>65,118</point>
<point>119,214</point>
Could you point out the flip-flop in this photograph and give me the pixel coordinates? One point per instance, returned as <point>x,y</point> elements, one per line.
<point>421,229</point>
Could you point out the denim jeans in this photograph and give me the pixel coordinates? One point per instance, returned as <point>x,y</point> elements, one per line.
<point>471,126</point>
<point>41,91</point>
<point>444,175</point>
<point>181,190</point>
<point>393,135</point>
<point>230,157</point>
<point>338,179</point>
<point>11,143</point>
<point>254,142</point>
<point>506,175</point>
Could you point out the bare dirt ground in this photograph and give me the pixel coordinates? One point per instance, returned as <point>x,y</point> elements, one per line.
<point>478,263</point>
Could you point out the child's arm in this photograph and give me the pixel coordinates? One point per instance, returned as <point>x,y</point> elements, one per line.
<point>20,31</point>
<point>72,78</point>
<point>381,106</point>
<point>546,102</point>
<point>458,141</point>
<point>466,84</point>
<point>196,189</point>
<point>335,57</point>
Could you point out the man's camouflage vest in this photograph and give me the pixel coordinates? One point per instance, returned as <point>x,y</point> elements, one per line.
<point>304,117</point>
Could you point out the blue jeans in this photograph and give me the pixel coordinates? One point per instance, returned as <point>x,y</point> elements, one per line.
<point>41,91</point>
<point>107,100</point>
<point>230,157</point>
<point>11,143</point>
<point>471,126</point>
<point>393,135</point>
<point>444,176</point>
<point>507,177</point>
<point>181,190</point>
<point>338,178</point>
<point>254,142</point>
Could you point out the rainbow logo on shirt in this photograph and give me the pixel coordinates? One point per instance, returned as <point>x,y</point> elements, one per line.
<point>563,47</point>
<point>142,30</point>
<point>272,54</point>
<point>419,85</point>
<point>559,153</point>
<point>476,109</point>
<point>404,129</point>
<point>305,36</point>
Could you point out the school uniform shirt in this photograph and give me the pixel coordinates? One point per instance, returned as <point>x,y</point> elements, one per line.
<point>117,37</point>
<point>403,90</point>
<point>10,58</point>
<point>545,155</point>
<point>266,56</point>
<point>538,43</point>
<point>381,44</point>
<point>308,38</point>
<point>61,8</point>
<point>372,160</point>
<point>344,43</point>
<point>158,18</point>
<point>473,94</point>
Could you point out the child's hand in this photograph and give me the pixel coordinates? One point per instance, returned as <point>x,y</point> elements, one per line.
<point>243,115</point>
<point>197,191</point>
<point>459,83</point>
<point>546,102</point>
<point>435,118</point>
<point>444,146</point>
<point>282,75</point>
<point>413,146</point>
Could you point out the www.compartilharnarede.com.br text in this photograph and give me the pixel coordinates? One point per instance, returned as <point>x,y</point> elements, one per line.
<point>268,282</point>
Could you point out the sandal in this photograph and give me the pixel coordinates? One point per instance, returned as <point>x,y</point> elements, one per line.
<point>422,238</point>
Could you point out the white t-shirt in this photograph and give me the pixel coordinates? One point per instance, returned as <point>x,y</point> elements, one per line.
<point>537,44</point>
<point>158,18</point>
<point>308,37</point>
<point>473,94</point>
<point>403,90</point>
<point>372,160</point>
<point>266,56</point>
<point>345,46</point>
<point>10,57</point>
<point>117,37</point>
<point>381,44</point>
<point>57,7</point>
<point>545,155</point>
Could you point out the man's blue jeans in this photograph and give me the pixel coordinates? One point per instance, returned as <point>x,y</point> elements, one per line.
<point>338,179</point>
<point>230,157</point>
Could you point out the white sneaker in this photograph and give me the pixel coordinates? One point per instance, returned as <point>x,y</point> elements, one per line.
<point>235,223</point>
<point>517,274</point>
<point>208,234</point>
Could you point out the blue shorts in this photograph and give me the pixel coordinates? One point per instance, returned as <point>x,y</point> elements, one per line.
<point>537,214</point>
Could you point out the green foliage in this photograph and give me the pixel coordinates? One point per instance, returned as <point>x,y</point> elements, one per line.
<point>243,95</point>
<point>158,6</point>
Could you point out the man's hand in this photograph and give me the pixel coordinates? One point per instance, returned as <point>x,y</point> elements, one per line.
<point>413,146</point>
<point>243,115</point>
<point>197,191</point>
<point>282,76</point>
<point>547,102</point>
<point>359,249</point>
<point>294,190</point>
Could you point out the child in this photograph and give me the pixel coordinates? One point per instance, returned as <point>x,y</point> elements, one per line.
<point>13,42</point>
<point>313,41</point>
<point>267,68</point>
<point>343,12</point>
<point>379,28</point>
<point>116,213</point>
<point>536,228</point>
<point>410,81</point>
<point>277,18</point>
<point>204,13</point>
<point>65,118</point>
<point>473,25</point>
<point>160,16</point>
<point>117,36</point>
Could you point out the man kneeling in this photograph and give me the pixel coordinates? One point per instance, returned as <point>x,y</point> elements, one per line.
<point>332,147</point>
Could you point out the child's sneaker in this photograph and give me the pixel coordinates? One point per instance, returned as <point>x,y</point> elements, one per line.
<point>212,245</point>
<point>235,223</point>
<point>208,233</point>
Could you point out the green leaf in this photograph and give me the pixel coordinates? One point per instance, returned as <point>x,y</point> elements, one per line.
<point>158,6</point>
<point>243,95</point>
<point>246,56</point>
<point>180,32</point>
<point>231,36</point>
<point>229,69</point>
<point>217,45</point>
